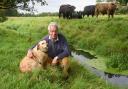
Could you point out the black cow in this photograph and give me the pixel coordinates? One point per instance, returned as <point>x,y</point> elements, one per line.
<point>77,14</point>
<point>89,10</point>
<point>66,11</point>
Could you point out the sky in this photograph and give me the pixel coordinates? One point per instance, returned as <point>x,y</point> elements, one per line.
<point>53,5</point>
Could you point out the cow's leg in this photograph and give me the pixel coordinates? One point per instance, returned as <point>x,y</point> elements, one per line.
<point>92,15</point>
<point>59,15</point>
<point>64,15</point>
<point>108,14</point>
<point>97,13</point>
<point>112,15</point>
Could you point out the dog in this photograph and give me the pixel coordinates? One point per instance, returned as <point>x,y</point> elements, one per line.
<point>38,60</point>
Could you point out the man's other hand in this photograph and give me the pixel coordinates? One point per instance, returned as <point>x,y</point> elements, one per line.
<point>54,61</point>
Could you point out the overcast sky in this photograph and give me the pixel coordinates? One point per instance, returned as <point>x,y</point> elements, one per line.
<point>53,5</point>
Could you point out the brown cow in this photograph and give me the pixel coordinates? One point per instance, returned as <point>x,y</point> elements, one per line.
<point>105,8</point>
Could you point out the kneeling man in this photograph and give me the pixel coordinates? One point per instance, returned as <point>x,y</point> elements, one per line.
<point>58,50</point>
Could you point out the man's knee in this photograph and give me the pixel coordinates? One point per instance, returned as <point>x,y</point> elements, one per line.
<point>65,61</point>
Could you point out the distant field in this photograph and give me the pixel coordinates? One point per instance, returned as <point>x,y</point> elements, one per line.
<point>99,36</point>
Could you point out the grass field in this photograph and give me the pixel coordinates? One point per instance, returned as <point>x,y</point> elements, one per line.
<point>18,34</point>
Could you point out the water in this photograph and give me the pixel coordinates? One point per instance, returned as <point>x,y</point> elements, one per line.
<point>115,79</point>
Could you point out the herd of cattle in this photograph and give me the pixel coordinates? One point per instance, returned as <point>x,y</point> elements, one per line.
<point>68,11</point>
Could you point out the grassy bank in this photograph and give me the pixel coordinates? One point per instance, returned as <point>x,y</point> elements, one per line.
<point>105,38</point>
<point>19,34</point>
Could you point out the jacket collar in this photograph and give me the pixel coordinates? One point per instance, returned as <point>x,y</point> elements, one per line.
<point>54,40</point>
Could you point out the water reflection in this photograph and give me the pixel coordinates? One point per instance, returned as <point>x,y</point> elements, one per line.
<point>86,54</point>
<point>111,75</point>
<point>116,79</point>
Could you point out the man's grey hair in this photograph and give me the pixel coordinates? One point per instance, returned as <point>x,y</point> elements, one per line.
<point>53,24</point>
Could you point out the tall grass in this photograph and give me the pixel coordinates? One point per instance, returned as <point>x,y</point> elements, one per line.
<point>17,36</point>
<point>107,38</point>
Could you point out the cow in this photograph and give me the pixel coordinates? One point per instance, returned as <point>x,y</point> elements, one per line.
<point>89,10</point>
<point>77,15</point>
<point>105,8</point>
<point>66,11</point>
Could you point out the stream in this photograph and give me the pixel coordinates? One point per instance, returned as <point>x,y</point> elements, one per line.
<point>114,79</point>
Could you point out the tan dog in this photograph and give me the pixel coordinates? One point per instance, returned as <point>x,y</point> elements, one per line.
<point>39,59</point>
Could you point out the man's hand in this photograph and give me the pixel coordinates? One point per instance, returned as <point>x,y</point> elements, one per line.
<point>30,54</point>
<point>54,61</point>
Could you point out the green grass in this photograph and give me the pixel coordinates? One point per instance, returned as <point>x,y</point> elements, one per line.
<point>106,38</point>
<point>18,34</point>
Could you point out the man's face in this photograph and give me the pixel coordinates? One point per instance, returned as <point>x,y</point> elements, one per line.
<point>53,32</point>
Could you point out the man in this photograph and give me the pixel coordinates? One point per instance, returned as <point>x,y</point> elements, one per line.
<point>58,50</point>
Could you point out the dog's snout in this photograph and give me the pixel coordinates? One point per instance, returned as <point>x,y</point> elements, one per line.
<point>46,46</point>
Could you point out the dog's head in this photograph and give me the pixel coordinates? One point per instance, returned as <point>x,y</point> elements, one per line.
<point>42,46</point>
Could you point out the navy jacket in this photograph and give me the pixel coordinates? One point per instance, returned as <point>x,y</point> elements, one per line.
<point>58,48</point>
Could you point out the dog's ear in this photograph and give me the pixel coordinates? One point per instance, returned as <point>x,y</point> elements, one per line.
<point>38,46</point>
